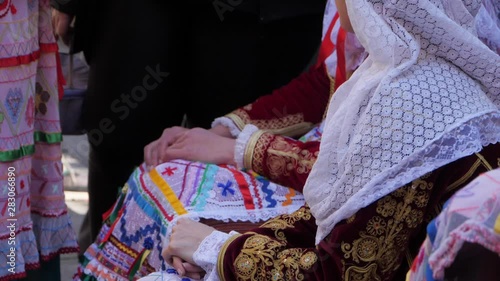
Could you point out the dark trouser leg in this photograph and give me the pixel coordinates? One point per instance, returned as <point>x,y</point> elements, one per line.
<point>135,92</point>
<point>48,271</point>
<point>108,172</point>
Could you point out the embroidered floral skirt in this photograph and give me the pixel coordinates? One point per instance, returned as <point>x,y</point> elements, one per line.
<point>34,224</point>
<point>130,242</point>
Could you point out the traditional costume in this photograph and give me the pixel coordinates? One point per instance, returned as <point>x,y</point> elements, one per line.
<point>34,223</point>
<point>277,166</point>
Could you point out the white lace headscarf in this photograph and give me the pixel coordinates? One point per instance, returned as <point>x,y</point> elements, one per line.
<point>427,95</point>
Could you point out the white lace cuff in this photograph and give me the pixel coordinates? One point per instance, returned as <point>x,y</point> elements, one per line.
<point>241,145</point>
<point>207,253</point>
<point>227,122</point>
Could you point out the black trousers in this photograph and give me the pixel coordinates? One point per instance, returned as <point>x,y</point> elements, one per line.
<point>153,63</point>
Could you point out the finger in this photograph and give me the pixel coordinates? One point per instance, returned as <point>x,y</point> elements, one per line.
<point>148,153</point>
<point>163,143</point>
<point>154,154</point>
<point>194,275</point>
<point>176,151</point>
<point>162,147</point>
<point>178,137</point>
<point>177,264</point>
<point>147,160</point>
<point>192,268</point>
<point>167,256</point>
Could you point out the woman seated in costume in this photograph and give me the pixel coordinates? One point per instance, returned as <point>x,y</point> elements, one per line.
<point>255,173</point>
<point>415,122</point>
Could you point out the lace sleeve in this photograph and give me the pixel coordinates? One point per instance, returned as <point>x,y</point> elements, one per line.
<point>227,122</point>
<point>208,251</point>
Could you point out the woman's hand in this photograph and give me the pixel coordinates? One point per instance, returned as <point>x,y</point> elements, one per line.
<point>200,145</point>
<point>152,151</point>
<point>187,269</point>
<point>186,237</point>
<point>61,23</point>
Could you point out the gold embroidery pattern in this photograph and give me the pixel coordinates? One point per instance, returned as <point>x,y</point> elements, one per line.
<point>284,157</point>
<point>286,124</point>
<point>258,252</point>
<point>368,273</point>
<point>307,260</point>
<point>286,221</point>
<point>263,258</point>
<point>351,219</point>
<point>250,148</point>
<point>378,247</point>
<point>283,121</point>
<point>292,262</point>
<point>261,252</point>
<point>259,152</point>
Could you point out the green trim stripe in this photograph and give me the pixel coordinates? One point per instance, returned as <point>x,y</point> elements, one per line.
<point>11,155</point>
<point>48,138</point>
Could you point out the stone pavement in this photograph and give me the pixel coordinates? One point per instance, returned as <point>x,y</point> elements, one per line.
<point>75,162</point>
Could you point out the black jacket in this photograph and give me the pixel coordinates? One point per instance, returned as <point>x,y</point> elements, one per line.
<point>90,13</point>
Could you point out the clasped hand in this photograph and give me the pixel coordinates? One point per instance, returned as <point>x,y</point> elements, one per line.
<point>186,237</point>
<point>208,146</point>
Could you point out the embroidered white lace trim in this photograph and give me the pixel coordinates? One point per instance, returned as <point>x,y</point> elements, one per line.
<point>207,253</point>
<point>241,145</point>
<point>227,122</point>
<point>427,95</point>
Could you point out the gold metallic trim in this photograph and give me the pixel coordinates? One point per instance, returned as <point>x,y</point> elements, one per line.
<point>237,120</point>
<point>293,130</point>
<point>222,253</point>
<point>250,148</point>
<point>465,177</point>
<point>484,161</point>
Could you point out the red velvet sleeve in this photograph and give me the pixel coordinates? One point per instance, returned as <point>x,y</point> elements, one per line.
<point>290,110</point>
<point>282,160</point>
